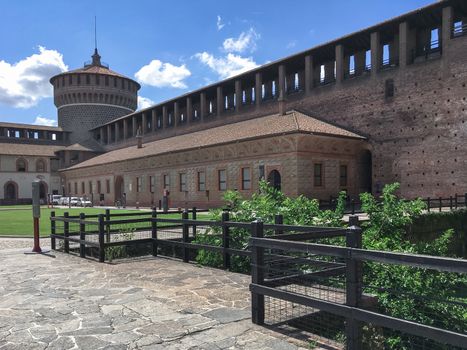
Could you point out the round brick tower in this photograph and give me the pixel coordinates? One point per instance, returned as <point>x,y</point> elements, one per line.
<point>91,96</point>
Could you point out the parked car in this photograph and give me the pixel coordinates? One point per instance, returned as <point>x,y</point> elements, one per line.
<point>84,202</point>
<point>74,201</point>
<point>56,199</point>
<point>64,201</point>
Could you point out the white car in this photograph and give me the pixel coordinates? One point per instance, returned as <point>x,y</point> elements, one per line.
<point>84,202</point>
<point>56,199</point>
<point>74,201</point>
<point>64,201</point>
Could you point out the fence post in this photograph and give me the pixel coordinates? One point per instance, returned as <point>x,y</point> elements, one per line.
<point>465,200</point>
<point>154,232</point>
<point>257,274</point>
<point>194,216</point>
<point>107,226</point>
<point>225,240</point>
<point>82,236</point>
<point>450,203</point>
<point>440,204</point>
<point>52,230</point>
<point>353,283</point>
<point>101,238</point>
<point>428,203</point>
<point>66,232</point>
<point>456,204</point>
<point>278,220</point>
<point>352,205</point>
<point>186,251</point>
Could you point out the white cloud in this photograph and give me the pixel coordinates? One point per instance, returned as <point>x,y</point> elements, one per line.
<point>160,74</point>
<point>245,42</point>
<point>227,66</point>
<point>24,83</point>
<point>291,44</point>
<point>45,121</point>
<point>219,23</point>
<point>144,102</point>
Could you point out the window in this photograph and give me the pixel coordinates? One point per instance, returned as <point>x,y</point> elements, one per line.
<point>99,187</point>
<point>343,175</point>
<point>90,187</point>
<point>21,165</point>
<point>152,184</point>
<point>389,88</point>
<point>79,79</point>
<point>201,181</point>
<point>69,187</point>
<point>106,80</point>
<point>107,185</point>
<point>83,189</point>
<point>183,182</point>
<point>40,166</point>
<point>139,184</point>
<point>222,175</point>
<point>70,79</point>
<point>88,79</point>
<point>76,188</point>
<point>97,79</point>
<point>318,175</point>
<point>246,179</point>
<point>166,181</point>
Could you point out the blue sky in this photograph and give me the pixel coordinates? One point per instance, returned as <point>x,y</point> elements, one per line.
<point>171,47</point>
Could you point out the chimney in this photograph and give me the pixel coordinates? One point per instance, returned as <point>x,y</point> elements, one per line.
<point>139,138</point>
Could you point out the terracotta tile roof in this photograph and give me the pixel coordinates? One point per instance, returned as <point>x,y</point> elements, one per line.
<point>24,149</point>
<point>292,122</point>
<point>29,126</point>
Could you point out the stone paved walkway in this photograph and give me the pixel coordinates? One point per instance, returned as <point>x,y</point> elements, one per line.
<point>65,302</point>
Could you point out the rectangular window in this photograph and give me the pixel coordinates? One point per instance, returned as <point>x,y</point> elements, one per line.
<point>222,175</point>
<point>152,184</point>
<point>183,182</point>
<point>166,182</point>
<point>106,80</point>
<point>201,181</point>
<point>97,79</point>
<point>343,175</point>
<point>69,187</point>
<point>88,79</point>
<point>79,79</point>
<point>83,189</point>
<point>318,175</point>
<point>139,184</point>
<point>107,185</point>
<point>99,188</point>
<point>246,179</point>
<point>90,187</point>
<point>76,188</point>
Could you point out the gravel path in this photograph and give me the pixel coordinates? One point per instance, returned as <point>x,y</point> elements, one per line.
<point>21,243</point>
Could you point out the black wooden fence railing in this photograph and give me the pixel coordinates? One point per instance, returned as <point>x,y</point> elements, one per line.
<point>299,279</point>
<point>354,206</point>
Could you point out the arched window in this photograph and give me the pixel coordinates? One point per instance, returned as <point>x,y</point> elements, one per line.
<point>10,190</point>
<point>40,166</point>
<point>274,179</point>
<point>21,165</point>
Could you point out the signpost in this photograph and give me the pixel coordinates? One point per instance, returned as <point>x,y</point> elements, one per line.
<point>36,214</point>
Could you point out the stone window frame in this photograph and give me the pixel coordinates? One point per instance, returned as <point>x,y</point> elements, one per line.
<point>182,182</point>
<point>319,184</point>
<point>152,183</point>
<point>166,184</point>
<point>346,165</point>
<point>139,184</point>
<point>219,182</point>
<point>198,180</point>
<point>44,165</point>
<point>22,159</point>
<point>242,178</point>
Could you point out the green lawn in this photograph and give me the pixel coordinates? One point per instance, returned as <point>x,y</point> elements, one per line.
<point>17,220</point>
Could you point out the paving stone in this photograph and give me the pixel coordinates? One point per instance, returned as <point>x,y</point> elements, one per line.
<point>71,303</point>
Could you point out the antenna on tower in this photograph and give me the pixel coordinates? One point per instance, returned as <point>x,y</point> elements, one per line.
<point>95,32</point>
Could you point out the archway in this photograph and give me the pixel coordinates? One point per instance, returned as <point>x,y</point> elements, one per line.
<point>274,179</point>
<point>119,188</point>
<point>11,190</point>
